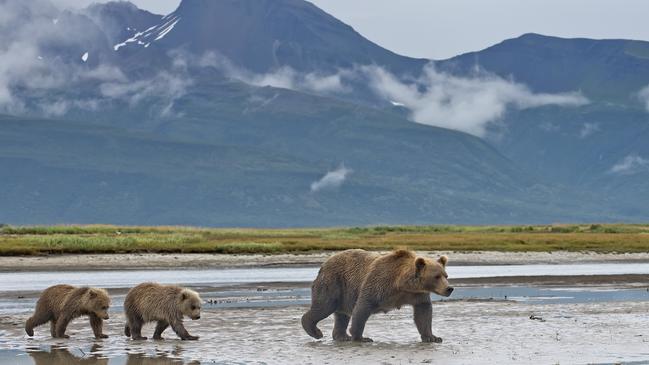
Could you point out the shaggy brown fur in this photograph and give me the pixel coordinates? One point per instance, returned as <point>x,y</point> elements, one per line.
<point>166,304</point>
<point>355,284</point>
<point>60,304</point>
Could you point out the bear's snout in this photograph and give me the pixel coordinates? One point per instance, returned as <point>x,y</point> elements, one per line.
<point>449,290</point>
<point>196,317</point>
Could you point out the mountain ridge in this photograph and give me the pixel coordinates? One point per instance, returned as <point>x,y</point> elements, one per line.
<point>150,132</point>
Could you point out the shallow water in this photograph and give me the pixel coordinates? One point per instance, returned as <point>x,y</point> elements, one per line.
<point>484,332</point>
<point>123,279</point>
<point>278,296</point>
<point>246,323</point>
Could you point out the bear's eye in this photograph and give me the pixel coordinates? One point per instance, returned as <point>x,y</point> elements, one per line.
<point>438,277</point>
<point>193,307</point>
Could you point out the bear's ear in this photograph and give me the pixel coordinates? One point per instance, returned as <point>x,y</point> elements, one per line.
<point>420,263</point>
<point>92,293</point>
<point>443,260</point>
<point>183,296</point>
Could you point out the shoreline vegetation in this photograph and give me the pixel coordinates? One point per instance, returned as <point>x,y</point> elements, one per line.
<point>108,239</point>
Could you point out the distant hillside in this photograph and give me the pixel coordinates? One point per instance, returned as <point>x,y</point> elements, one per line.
<point>610,70</point>
<point>274,113</point>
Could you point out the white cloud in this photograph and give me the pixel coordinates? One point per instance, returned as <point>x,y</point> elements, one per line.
<point>287,78</point>
<point>631,164</point>
<point>466,104</point>
<point>588,129</point>
<point>167,86</point>
<point>32,80</point>
<point>643,94</point>
<point>284,77</point>
<point>331,180</point>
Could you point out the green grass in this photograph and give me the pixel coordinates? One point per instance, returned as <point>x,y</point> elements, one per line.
<point>39,240</point>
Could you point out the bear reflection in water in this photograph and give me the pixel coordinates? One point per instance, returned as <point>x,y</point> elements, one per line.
<point>63,356</point>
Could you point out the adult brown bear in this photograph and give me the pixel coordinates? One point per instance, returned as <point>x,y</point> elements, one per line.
<point>357,284</point>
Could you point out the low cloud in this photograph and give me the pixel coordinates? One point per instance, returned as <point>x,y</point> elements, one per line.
<point>631,164</point>
<point>167,87</point>
<point>467,104</point>
<point>588,129</point>
<point>643,95</point>
<point>33,79</point>
<point>284,77</point>
<point>331,180</point>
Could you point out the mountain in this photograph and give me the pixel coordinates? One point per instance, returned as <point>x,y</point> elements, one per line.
<point>120,20</point>
<point>259,170</point>
<point>262,35</point>
<point>39,30</point>
<point>600,147</point>
<point>610,70</point>
<point>255,113</point>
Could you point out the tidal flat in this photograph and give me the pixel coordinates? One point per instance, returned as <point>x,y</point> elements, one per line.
<point>567,314</point>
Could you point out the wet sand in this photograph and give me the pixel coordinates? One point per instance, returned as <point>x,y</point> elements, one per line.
<point>474,332</point>
<point>214,261</point>
<point>579,318</point>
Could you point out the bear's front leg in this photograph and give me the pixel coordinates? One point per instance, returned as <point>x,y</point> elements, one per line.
<point>160,327</point>
<point>360,315</point>
<point>96,324</point>
<point>423,315</point>
<point>180,330</point>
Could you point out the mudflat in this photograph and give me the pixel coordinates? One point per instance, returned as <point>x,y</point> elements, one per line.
<point>492,331</point>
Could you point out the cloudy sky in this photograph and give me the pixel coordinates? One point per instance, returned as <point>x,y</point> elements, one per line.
<point>441,29</point>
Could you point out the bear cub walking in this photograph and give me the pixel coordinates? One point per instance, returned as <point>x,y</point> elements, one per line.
<point>355,284</point>
<point>166,304</point>
<point>60,304</point>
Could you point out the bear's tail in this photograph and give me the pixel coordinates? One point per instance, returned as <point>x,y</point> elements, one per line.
<point>127,331</point>
<point>310,327</point>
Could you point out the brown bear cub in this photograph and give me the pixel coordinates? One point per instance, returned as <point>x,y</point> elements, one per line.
<point>60,304</point>
<point>166,304</point>
<point>357,284</point>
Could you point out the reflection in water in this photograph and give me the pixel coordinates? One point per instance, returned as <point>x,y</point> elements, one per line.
<point>159,358</point>
<point>60,355</point>
<point>143,359</point>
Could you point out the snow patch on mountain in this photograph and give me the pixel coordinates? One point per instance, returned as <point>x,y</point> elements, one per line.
<point>154,33</point>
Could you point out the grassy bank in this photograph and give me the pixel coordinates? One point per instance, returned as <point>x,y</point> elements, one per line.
<point>114,239</point>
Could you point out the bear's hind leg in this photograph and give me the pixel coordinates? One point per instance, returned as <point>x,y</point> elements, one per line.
<point>320,309</point>
<point>53,328</point>
<point>159,328</point>
<point>62,325</point>
<point>340,327</point>
<point>39,318</point>
<point>134,327</point>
